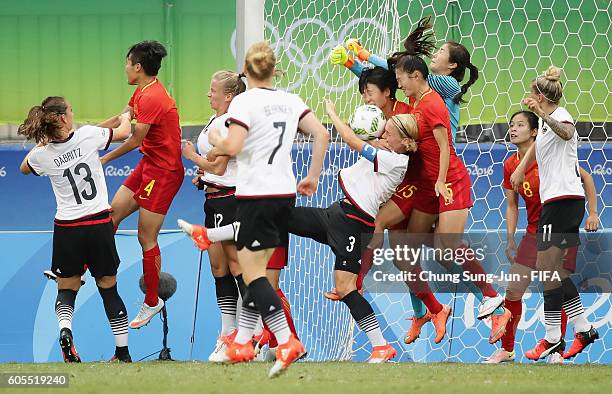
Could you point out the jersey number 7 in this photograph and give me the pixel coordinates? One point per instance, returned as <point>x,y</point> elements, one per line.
<point>282,126</point>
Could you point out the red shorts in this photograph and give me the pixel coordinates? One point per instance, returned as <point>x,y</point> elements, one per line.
<point>404,198</point>
<point>154,187</point>
<point>461,191</point>
<point>527,253</point>
<point>279,258</point>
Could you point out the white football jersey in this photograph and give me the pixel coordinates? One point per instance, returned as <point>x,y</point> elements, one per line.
<point>75,171</point>
<point>271,117</point>
<point>368,184</point>
<point>228,179</point>
<point>558,161</point>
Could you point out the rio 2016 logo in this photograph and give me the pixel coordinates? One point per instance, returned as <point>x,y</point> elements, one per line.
<point>309,53</point>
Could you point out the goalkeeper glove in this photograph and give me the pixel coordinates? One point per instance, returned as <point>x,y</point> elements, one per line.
<point>354,45</point>
<point>339,55</point>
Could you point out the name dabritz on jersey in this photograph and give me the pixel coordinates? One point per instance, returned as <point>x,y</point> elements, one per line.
<point>68,156</point>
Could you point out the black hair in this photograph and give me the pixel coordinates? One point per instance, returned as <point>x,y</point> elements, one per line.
<point>379,76</point>
<point>459,54</point>
<point>531,118</point>
<point>417,45</point>
<point>149,54</point>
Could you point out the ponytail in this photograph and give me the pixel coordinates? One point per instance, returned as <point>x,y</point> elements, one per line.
<point>418,43</point>
<point>464,88</point>
<point>459,54</point>
<point>44,121</point>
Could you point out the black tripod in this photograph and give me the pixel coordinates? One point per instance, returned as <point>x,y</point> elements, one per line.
<point>164,354</point>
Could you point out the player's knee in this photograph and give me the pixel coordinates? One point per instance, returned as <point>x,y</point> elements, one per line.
<point>106,282</point>
<point>345,284</point>
<point>72,283</point>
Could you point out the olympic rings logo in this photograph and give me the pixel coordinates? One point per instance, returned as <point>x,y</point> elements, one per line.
<point>310,62</point>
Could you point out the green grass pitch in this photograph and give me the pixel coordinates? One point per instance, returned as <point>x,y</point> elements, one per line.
<point>333,378</point>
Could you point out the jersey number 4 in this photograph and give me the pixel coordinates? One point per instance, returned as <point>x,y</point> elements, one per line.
<point>282,126</point>
<point>77,171</point>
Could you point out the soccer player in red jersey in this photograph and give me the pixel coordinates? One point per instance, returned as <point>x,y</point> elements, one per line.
<point>523,129</point>
<point>152,186</point>
<point>443,184</point>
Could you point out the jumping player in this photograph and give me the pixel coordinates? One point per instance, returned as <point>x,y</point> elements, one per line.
<point>159,175</point>
<point>562,196</point>
<point>347,224</point>
<point>448,67</point>
<point>83,231</point>
<point>219,181</point>
<point>263,124</point>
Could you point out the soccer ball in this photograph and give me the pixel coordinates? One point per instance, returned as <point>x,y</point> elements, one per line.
<point>368,122</point>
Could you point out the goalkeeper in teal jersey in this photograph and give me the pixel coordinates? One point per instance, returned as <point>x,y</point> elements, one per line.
<point>448,66</point>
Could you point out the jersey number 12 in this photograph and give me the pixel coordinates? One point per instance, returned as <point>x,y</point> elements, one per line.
<point>87,178</point>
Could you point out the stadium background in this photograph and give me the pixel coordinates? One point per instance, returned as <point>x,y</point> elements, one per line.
<point>77,49</point>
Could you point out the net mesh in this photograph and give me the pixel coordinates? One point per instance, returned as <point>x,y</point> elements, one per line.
<point>511,43</point>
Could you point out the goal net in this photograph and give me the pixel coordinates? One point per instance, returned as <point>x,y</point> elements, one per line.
<point>510,43</point>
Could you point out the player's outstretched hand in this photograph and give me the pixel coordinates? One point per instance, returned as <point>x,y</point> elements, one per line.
<point>534,106</point>
<point>441,190</point>
<point>511,250</point>
<point>330,107</point>
<point>308,186</point>
<point>338,55</point>
<point>592,223</point>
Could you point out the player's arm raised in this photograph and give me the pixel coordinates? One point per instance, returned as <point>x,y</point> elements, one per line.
<point>347,134</point>
<point>133,142</point>
<point>310,124</point>
<point>592,222</point>
<point>115,121</point>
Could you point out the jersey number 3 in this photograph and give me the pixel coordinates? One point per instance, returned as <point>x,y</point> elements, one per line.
<point>77,171</point>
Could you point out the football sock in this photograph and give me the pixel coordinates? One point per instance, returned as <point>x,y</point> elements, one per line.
<point>227,297</point>
<point>362,312</point>
<point>573,306</point>
<point>516,309</point>
<point>64,307</point>
<point>116,314</point>
<point>151,266</point>
<point>270,308</point>
<point>553,301</point>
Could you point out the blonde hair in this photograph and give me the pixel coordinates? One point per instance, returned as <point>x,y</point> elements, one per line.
<point>549,85</point>
<point>260,61</point>
<point>231,82</point>
<point>407,125</point>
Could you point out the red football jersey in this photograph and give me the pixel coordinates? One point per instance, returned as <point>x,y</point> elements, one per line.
<point>154,106</point>
<point>430,113</point>
<point>400,107</point>
<point>529,190</point>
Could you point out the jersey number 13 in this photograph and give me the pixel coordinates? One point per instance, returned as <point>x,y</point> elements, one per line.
<point>78,169</point>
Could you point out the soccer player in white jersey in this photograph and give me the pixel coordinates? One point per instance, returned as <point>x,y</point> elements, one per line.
<point>83,230</point>
<point>219,182</point>
<point>562,195</point>
<point>262,126</point>
<point>348,225</point>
